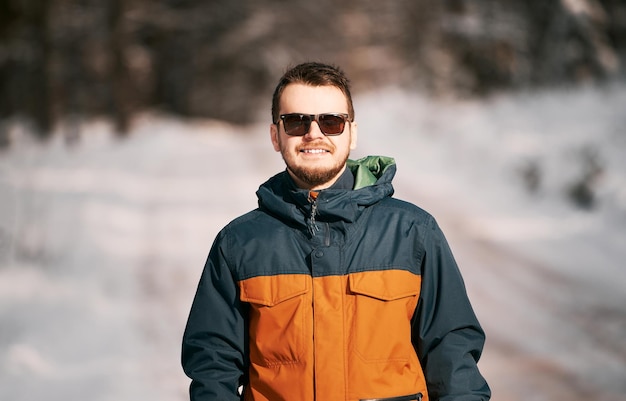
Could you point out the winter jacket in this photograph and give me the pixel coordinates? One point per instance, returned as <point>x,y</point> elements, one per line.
<point>352,296</point>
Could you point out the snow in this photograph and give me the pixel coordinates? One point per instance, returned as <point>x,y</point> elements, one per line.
<point>102,241</point>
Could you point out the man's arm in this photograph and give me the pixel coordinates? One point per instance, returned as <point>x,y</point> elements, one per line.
<point>213,351</point>
<point>446,333</point>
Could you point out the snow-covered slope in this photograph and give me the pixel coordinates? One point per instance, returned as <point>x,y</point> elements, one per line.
<point>102,241</point>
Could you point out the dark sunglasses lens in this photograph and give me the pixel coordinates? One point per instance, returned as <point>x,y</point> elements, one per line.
<point>297,124</point>
<point>331,124</point>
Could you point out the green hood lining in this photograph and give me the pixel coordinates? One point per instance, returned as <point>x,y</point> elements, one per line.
<point>369,169</point>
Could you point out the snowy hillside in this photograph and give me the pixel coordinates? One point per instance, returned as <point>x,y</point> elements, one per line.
<point>102,241</point>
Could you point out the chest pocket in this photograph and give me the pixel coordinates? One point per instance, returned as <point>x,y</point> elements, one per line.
<point>383,303</point>
<point>279,317</point>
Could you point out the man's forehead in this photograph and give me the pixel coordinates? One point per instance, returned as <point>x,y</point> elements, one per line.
<point>303,93</point>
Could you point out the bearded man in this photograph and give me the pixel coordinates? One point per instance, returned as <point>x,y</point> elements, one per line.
<point>331,289</point>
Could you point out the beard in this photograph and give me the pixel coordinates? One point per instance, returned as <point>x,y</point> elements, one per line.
<point>312,175</point>
<point>316,176</point>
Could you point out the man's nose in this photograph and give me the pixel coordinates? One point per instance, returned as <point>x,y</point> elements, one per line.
<point>314,131</point>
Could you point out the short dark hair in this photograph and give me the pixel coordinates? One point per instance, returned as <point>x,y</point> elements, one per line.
<point>314,74</point>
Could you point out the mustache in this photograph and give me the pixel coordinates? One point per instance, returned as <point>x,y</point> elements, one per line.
<point>316,145</point>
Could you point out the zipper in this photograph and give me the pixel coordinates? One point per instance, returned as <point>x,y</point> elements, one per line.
<point>313,228</point>
<point>313,342</point>
<point>312,225</point>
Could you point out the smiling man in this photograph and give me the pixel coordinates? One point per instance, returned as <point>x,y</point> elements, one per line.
<point>331,289</point>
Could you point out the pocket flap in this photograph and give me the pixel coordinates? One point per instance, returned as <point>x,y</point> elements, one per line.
<point>272,290</point>
<point>386,285</point>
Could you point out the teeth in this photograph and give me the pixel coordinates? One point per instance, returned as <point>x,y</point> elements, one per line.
<point>313,150</point>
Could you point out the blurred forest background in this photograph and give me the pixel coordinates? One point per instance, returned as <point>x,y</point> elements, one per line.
<point>64,59</point>
<point>506,119</point>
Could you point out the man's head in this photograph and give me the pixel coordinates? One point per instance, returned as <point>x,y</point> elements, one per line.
<point>313,74</point>
<point>313,123</point>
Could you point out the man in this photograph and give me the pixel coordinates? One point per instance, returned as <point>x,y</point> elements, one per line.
<point>331,289</point>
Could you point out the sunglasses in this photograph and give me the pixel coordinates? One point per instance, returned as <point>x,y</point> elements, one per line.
<point>297,124</point>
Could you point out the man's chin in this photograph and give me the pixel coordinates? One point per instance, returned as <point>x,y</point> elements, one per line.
<point>315,177</point>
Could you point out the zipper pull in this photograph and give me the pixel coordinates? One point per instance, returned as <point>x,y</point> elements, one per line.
<point>313,228</point>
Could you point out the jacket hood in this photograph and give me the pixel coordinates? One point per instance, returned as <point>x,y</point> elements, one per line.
<point>279,195</point>
<point>369,169</point>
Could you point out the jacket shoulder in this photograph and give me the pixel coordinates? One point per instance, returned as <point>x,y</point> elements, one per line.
<point>244,219</point>
<point>249,221</point>
<point>408,210</point>
<point>256,226</point>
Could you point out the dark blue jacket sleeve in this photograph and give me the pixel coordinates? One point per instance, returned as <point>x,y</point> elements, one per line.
<point>446,333</point>
<point>213,350</point>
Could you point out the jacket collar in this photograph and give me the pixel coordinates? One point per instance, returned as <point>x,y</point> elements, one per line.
<point>371,176</point>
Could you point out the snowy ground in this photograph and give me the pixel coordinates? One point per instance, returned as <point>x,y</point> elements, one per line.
<point>102,241</point>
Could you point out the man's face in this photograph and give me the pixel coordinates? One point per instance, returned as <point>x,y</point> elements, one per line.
<point>314,161</point>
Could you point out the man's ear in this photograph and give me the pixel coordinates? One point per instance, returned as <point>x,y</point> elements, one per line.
<point>274,137</point>
<point>353,135</point>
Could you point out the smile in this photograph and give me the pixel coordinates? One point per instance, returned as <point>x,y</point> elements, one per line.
<point>314,151</point>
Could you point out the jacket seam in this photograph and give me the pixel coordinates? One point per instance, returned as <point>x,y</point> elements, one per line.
<point>273,273</point>
<point>373,268</point>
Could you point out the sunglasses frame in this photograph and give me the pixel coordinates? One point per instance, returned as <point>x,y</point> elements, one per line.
<point>314,117</point>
